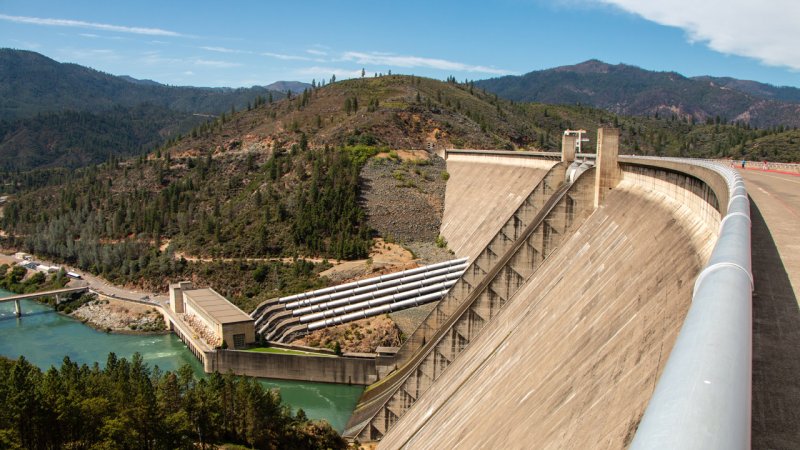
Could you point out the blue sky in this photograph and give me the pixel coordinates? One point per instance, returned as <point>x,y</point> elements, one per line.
<point>255,43</point>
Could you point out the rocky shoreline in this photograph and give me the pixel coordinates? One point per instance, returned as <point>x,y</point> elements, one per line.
<point>117,316</point>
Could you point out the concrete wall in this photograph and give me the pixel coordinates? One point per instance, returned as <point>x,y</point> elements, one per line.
<point>293,367</point>
<point>691,192</point>
<point>245,328</point>
<point>483,190</point>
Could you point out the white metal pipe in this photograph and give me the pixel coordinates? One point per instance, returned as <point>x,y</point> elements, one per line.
<point>375,294</point>
<point>363,314</point>
<point>373,287</point>
<point>377,301</point>
<point>373,280</point>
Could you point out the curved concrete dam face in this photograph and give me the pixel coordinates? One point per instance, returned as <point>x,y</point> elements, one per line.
<point>482,193</point>
<point>573,360</point>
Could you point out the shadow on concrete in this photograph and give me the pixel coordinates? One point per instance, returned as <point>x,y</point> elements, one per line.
<point>776,345</point>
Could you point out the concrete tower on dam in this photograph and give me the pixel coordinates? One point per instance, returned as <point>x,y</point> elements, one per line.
<point>566,315</point>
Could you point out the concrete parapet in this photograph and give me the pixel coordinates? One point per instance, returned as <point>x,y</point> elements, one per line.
<point>516,159</point>
<point>608,173</point>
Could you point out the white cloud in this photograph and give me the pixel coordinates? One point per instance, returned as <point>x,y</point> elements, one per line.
<point>768,31</point>
<point>90,25</point>
<point>315,52</point>
<point>388,59</point>
<point>320,73</point>
<point>215,63</point>
<point>287,57</point>
<point>226,50</point>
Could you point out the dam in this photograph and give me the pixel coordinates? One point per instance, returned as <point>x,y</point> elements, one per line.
<point>584,318</point>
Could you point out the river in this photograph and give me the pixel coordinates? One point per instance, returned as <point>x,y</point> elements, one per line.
<point>44,337</point>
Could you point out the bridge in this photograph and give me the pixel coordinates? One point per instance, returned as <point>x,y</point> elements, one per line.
<point>610,306</point>
<point>57,293</point>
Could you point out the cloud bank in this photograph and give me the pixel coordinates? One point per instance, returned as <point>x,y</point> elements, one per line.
<point>89,25</point>
<point>387,59</point>
<point>768,31</point>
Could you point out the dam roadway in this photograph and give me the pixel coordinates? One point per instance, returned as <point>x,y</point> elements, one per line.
<point>775,212</point>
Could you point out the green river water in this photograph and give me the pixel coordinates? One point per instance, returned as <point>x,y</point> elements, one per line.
<point>44,337</point>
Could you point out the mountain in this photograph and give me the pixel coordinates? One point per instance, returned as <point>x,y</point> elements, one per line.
<point>630,90</point>
<point>31,83</point>
<point>285,86</point>
<point>64,115</point>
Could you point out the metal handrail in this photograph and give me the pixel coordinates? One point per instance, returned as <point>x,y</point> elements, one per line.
<point>703,398</point>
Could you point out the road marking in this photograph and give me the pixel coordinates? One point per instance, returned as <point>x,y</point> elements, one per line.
<point>779,178</point>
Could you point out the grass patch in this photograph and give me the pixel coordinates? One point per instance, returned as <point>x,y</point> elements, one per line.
<point>286,351</point>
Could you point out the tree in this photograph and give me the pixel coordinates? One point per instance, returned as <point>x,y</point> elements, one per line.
<point>363,72</point>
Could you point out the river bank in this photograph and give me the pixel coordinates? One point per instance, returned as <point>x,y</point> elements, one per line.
<point>118,316</point>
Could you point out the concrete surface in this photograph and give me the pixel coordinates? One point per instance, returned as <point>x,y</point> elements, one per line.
<point>534,231</point>
<point>775,213</point>
<point>482,192</point>
<point>573,360</point>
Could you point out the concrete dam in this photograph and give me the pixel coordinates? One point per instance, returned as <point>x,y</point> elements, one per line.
<point>568,328</point>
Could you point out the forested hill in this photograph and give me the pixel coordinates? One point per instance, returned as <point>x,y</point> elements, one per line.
<point>81,138</point>
<point>65,115</point>
<point>31,83</point>
<point>629,90</point>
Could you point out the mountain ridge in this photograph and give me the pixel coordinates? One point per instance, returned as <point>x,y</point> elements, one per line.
<point>630,90</point>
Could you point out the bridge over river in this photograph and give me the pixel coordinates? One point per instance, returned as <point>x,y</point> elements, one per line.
<point>615,308</point>
<point>57,293</point>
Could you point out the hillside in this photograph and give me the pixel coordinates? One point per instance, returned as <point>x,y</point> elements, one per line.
<point>629,90</point>
<point>77,139</point>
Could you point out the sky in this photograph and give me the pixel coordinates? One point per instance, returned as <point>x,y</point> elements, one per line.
<point>213,43</point>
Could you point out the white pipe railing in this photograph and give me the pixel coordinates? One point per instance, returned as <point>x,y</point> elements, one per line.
<point>702,400</point>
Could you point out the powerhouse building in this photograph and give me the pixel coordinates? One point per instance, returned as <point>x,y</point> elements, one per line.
<point>229,323</point>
